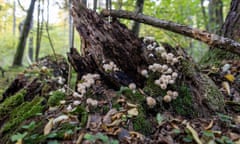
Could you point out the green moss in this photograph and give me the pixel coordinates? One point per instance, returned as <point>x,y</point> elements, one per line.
<point>82,114</point>
<point>23,112</point>
<point>55,98</point>
<point>183,105</point>
<point>151,89</point>
<point>141,123</point>
<point>214,98</point>
<point>133,97</point>
<point>11,103</point>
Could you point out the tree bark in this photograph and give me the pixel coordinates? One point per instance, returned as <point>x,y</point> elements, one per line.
<point>22,41</point>
<point>215,12</point>
<point>104,40</point>
<point>138,9</point>
<point>231,27</point>
<point>212,40</point>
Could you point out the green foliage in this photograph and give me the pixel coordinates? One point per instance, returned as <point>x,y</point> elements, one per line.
<point>183,105</point>
<point>100,136</point>
<point>82,114</point>
<point>11,103</point>
<point>141,123</point>
<point>55,98</point>
<point>23,112</point>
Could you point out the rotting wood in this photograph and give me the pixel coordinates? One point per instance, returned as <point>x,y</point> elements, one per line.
<point>212,40</point>
<point>112,41</point>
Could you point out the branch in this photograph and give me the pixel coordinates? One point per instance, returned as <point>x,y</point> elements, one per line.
<point>212,40</point>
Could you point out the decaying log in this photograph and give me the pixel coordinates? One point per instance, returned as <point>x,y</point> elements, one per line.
<point>212,40</point>
<point>105,40</point>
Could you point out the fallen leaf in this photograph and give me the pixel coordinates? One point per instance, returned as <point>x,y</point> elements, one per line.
<point>80,138</point>
<point>60,118</point>
<point>226,86</point>
<point>131,105</point>
<point>209,125</point>
<point>237,119</point>
<point>48,127</point>
<point>229,77</point>
<point>20,141</point>
<point>133,112</point>
<point>114,123</point>
<point>194,134</point>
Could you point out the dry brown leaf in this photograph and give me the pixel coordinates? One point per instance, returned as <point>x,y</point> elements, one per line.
<point>237,142</point>
<point>48,127</point>
<point>209,125</point>
<point>117,116</point>
<point>20,141</point>
<point>226,86</point>
<point>80,138</point>
<point>131,105</point>
<point>133,112</point>
<point>114,123</point>
<point>194,134</point>
<point>237,119</point>
<point>136,135</point>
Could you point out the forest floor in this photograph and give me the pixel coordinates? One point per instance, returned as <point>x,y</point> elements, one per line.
<point>107,116</point>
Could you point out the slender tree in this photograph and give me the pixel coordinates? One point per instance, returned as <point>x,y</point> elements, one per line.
<point>22,41</point>
<point>215,12</point>
<point>138,9</point>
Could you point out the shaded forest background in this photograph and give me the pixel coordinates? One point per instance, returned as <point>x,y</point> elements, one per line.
<point>202,14</point>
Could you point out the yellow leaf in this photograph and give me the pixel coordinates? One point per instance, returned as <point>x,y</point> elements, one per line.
<point>194,134</point>
<point>20,141</point>
<point>226,86</point>
<point>229,77</point>
<point>48,127</point>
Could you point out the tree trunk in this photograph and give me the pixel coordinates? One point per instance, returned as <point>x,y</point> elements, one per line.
<point>22,41</point>
<point>215,12</point>
<point>38,42</point>
<point>212,40</point>
<point>138,9</point>
<point>231,27</point>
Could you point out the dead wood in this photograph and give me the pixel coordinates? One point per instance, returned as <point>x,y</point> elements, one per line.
<point>108,41</point>
<point>212,40</point>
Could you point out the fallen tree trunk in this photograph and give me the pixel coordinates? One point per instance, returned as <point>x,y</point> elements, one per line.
<point>212,40</point>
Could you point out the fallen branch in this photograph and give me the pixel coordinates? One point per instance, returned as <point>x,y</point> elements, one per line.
<point>212,40</point>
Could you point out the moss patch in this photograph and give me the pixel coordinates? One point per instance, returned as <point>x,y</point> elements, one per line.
<point>141,123</point>
<point>151,89</point>
<point>55,98</point>
<point>82,114</point>
<point>183,105</point>
<point>10,103</point>
<point>23,112</point>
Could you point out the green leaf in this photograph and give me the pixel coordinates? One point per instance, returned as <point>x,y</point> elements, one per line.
<point>30,126</point>
<point>159,118</point>
<point>18,136</point>
<point>208,134</point>
<point>53,142</point>
<point>89,137</point>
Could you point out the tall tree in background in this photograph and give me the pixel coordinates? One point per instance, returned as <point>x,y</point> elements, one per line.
<point>215,12</point>
<point>14,17</point>
<point>231,27</point>
<point>24,34</point>
<point>138,9</point>
<point>39,28</point>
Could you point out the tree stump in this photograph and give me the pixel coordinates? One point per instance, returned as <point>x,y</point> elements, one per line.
<point>112,41</point>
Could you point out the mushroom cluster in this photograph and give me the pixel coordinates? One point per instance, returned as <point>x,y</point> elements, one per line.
<point>168,74</point>
<point>171,95</point>
<point>86,82</point>
<point>109,67</point>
